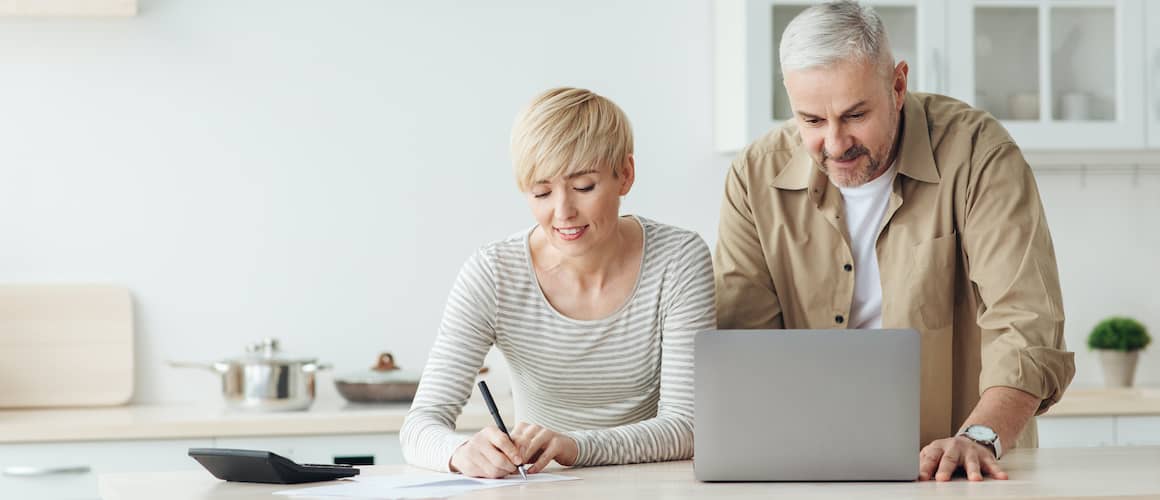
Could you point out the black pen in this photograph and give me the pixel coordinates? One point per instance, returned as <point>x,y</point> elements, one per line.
<point>498,421</point>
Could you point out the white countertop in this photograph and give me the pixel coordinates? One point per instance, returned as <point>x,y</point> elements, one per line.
<point>1034,473</point>
<point>1087,402</point>
<point>178,421</point>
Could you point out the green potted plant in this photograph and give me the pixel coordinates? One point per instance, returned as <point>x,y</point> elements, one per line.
<point>1119,341</point>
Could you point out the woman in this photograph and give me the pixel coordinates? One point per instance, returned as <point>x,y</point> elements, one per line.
<point>594,312</point>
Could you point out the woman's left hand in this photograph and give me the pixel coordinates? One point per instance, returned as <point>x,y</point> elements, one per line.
<point>539,446</point>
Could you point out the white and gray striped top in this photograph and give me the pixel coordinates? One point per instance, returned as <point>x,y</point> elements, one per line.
<point>621,386</point>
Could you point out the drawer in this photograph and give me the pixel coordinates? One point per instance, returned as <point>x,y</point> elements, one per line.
<point>383,449</point>
<point>1138,430</point>
<point>68,470</point>
<point>1074,432</point>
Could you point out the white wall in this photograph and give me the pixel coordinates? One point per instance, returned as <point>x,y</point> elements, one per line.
<point>1106,230</point>
<point>317,171</point>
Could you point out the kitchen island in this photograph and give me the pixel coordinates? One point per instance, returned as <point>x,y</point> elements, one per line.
<point>1125,472</point>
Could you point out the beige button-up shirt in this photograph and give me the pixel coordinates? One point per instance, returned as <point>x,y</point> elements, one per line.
<point>964,254</point>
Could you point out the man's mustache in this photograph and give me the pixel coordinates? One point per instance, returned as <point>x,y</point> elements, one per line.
<point>854,152</point>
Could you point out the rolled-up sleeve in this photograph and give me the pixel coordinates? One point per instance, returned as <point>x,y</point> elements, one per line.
<point>1012,263</point>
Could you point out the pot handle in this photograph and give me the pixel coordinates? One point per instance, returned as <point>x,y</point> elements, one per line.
<point>316,367</point>
<point>213,367</point>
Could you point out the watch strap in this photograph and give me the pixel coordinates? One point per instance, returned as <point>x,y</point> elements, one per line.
<point>994,446</point>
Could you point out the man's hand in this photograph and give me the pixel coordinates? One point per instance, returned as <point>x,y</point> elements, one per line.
<point>946,455</point>
<point>541,445</point>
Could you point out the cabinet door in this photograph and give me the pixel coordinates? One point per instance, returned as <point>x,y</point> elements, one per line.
<point>1072,432</point>
<point>380,449</point>
<point>1138,430</point>
<point>1059,74</point>
<point>1151,103</point>
<point>69,470</point>
<point>749,97</point>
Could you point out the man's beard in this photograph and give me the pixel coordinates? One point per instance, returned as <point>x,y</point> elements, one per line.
<point>859,175</point>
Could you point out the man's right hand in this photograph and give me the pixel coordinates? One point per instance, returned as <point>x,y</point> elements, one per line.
<point>489,453</point>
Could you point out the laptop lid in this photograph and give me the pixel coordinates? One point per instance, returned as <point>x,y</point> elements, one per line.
<point>806,405</point>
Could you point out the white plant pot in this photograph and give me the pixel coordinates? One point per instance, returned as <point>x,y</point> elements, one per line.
<point>1119,367</point>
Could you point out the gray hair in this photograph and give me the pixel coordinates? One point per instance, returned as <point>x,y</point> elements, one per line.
<point>833,32</point>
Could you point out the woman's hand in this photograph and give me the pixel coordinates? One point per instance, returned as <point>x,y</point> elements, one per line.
<point>489,453</point>
<point>543,445</point>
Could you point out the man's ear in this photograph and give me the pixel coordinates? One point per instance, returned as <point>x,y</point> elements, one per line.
<point>898,87</point>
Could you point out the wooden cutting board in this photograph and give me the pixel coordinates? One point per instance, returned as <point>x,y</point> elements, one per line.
<point>65,345</point>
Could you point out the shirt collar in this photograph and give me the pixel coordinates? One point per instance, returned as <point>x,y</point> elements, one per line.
<point>915,158</point>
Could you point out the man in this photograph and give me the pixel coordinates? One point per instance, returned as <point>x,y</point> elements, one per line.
<point>874,207</point>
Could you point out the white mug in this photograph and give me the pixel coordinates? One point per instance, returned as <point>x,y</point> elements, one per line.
<point>1024,106</point>
<point>1074,106</point>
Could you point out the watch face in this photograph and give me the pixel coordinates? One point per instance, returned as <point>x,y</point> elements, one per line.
<point>980,433</point>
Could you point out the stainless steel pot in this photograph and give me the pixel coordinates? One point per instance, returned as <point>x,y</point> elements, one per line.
<point>264,379</point>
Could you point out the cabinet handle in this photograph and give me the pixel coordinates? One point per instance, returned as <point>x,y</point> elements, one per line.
<point>1155,82</point>
<point>26,471</point>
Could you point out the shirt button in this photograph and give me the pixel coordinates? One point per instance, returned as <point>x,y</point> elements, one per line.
<point>848,267</point>
<point>839,319</point>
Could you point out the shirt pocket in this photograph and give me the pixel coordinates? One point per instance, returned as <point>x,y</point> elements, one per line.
<point>933,280</point>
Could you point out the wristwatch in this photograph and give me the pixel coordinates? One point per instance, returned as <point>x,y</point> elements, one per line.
<point>985,436</point>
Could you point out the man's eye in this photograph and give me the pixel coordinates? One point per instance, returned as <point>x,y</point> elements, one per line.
<point>856,116</point>
<point>542,195</point>
<point>813,121</point>
<point>586,188</point>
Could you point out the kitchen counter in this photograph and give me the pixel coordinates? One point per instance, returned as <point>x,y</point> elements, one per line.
<point>178,421</point>
<point>1101,402</point>
<point>1034,473</point>
<point>335,416</point>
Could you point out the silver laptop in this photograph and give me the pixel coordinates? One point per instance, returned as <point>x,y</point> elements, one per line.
<point>806,405</point>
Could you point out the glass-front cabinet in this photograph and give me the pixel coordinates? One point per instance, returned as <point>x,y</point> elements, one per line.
<point>1059,74</point>
<point>1150,101</point>
<point>749,96</point>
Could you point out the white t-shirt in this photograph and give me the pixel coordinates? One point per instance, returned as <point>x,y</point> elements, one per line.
<point>865,206</point>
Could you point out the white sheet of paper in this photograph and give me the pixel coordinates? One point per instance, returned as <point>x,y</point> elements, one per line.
<point>420,485</point>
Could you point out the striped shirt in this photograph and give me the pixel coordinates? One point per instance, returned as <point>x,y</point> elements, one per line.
<point>621,386</point>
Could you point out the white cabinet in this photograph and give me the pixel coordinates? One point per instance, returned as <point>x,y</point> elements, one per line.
<point>1138,430</point>
<point>1118,430</point>
<point>1076,432</point>
<point>361,449</point>
<point>749,98</point>
<point>1150,103</point>
<point>68,470</point>
<point>1059,74</point>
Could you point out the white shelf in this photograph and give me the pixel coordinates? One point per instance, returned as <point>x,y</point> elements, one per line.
<point>68,8</point>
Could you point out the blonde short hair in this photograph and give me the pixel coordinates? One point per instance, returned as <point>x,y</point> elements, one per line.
<point>568,130</point>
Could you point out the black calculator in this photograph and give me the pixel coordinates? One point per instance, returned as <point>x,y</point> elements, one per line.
<point>257,466</point>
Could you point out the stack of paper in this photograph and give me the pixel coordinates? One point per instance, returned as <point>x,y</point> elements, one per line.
<point>419,485</point>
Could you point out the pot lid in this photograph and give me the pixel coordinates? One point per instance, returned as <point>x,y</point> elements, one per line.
<point>385,371</point>
<point>268,350</point>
